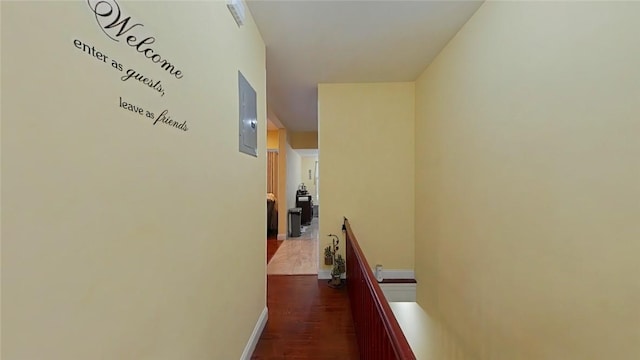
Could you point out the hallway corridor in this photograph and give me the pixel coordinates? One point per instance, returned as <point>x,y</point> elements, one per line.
<point>307,320</point>
<point>296,255</point>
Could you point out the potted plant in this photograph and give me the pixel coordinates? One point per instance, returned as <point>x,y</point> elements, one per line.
<point>328,256</point>
<point>339,267</point>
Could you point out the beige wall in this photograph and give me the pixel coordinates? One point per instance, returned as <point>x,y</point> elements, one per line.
<point>303,140</point>
<point>121,239</point>
<point>367,173</point>
<point>308,163</point>
<point>272,139</point>
<point>528,181</point>
<point>282,183</point>
<point>293,175</point>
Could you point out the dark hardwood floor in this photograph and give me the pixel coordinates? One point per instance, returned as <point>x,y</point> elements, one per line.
<point>272,247</point>
<point>307,320</point>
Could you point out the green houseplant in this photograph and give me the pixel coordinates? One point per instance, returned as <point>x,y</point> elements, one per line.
<point>339,264</point>
<point>328,256</point>
<point>339,268</point>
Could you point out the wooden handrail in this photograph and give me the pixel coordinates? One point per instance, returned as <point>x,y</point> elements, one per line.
<point>377,330</point>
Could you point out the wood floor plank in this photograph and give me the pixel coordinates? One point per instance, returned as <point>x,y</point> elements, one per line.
<point>307,320</point>
<point>272,246</point>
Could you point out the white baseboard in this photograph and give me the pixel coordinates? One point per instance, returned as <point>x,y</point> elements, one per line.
<point>387,274</point>
<point>282,237</point>
<point>399,292</point>
<point>398,274</point>
<point>392,291</point>
<point>325,274</point>
<point>255,335</point>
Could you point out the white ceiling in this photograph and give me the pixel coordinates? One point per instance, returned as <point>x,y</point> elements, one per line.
<point>311,42</point>
<point>307,152</point>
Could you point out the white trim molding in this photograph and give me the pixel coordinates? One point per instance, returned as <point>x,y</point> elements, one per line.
<point>399,292</point>
<point>325,274</point>
<point>398,274</point>
<point>255,335</point>
<point>282,237</point>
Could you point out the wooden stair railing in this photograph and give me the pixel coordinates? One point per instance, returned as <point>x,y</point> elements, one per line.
<point>377,331</point>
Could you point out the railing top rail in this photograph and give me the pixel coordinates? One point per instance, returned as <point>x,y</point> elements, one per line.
<point>398,340</point>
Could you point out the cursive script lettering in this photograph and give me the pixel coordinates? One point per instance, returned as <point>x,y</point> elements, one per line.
<point>131,107</point>
<point>110,18</point>
<point>165,118</point>
<point>132,74</point>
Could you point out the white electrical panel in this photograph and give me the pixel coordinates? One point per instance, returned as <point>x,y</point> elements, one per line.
<point>248,117</point>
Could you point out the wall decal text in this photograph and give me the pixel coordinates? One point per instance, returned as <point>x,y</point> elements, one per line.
<point>163,117</point>
<point>114,24</point>
<point>131,74</point>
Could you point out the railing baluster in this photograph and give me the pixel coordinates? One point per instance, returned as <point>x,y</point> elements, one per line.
<point>377,331</point>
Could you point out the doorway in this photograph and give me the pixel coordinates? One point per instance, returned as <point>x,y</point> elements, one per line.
<point>298,253</point>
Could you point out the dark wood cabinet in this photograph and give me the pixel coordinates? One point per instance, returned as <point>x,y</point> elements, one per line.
<point>305,202</point>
